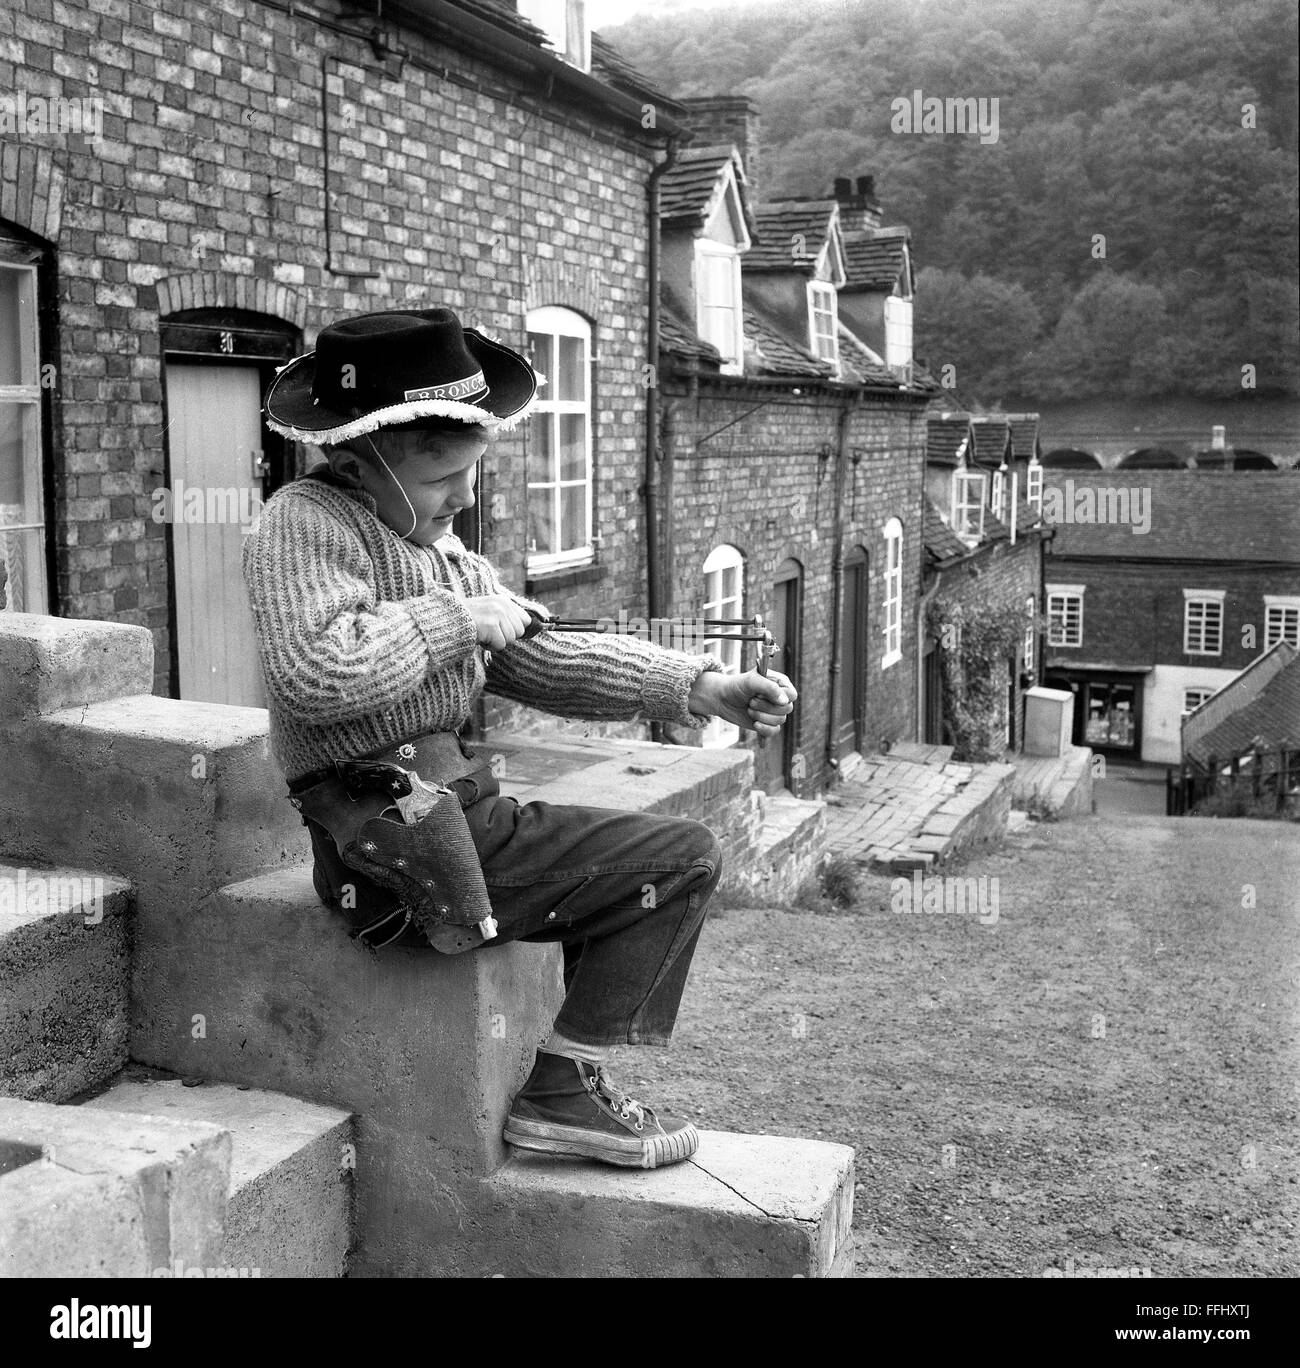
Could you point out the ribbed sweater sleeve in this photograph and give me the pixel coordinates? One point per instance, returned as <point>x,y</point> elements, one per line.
<point>596,675</point>
<point>331,649</point>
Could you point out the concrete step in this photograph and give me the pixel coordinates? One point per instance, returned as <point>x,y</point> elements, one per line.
<point>290,1207</point>
<point>65,970</point>
<point>743,1206</point>
<point>87,1193</point>
<point>177,797</point>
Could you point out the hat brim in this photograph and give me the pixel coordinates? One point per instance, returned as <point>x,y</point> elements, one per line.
<point>512,394</point>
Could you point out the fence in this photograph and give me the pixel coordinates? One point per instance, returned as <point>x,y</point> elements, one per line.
<point>1247,783</point>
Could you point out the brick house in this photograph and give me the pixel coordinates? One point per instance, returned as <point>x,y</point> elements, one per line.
<point>984,539</point>
<point>1162,585</point>
<point>257,172</point>
<point>791,454</point>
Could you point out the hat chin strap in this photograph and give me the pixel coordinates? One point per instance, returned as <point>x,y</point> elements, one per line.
<point>400,489</point>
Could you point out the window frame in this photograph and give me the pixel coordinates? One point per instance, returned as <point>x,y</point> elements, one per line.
<point>1034,484</point>
<point>824,288</point>
<point>1203,598</point>
<point>1278,608</point>
<point>1028,652</point>
<point>998,494</point>
<point>893,598</point>
<point>718,732</point>
<point>1057,634</point>
<point>547,320</point>
<point>1208,690</point>
<point>572,42</point>
<point>28,402</point>
<point>733,356</point>
<point>962,480</point>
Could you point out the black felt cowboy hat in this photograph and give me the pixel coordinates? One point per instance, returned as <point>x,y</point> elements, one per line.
<point>389,369</point>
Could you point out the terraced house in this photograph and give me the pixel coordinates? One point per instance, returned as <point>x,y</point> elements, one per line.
<point>792,438</point>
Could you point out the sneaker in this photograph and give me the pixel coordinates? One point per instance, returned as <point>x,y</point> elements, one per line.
<point>570,1106</point>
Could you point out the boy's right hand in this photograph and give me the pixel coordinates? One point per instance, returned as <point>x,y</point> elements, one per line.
<point>498,619</point>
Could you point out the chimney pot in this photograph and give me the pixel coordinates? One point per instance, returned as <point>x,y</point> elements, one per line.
<point>866,186</point>
<point>843,187</point>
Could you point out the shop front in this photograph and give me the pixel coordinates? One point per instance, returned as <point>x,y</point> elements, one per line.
<point>1107,708</point>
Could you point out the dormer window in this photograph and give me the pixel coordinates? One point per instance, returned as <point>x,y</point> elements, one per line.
<point>717,292</point>
<point>968,504</point>
<point>823,322</point>
<point>998,499</point>
<point>565,24</point>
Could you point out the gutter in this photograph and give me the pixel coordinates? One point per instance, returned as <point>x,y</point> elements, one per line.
<point>654,585</point>
<point>458,28</point>
<point>837,588</point>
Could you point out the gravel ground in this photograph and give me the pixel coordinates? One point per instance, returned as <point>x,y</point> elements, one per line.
<point>1107,1074</point>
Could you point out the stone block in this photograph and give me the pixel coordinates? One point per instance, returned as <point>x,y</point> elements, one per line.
<point>95,1194</point>
<point>49,663</point>
<point>65,969</point>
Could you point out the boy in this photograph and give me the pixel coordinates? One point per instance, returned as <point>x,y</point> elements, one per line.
<point>377,632</point>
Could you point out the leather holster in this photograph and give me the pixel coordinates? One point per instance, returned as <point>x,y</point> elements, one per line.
<point>420,860</point>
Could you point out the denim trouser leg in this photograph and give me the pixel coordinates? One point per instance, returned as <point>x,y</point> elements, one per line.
<point>625,893</point>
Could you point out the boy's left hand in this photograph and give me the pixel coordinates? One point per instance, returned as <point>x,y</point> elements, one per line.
<point>751,700</point>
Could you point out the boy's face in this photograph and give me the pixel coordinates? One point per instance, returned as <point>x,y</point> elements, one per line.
<point>436,470</point>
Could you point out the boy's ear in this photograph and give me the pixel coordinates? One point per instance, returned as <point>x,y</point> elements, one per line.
<point>344,463</point>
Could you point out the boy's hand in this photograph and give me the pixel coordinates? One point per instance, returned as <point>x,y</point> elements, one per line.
<point>756,702</point>
<point>499,619</point>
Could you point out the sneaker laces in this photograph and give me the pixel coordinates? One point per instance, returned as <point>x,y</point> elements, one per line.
<point>627,1106</point>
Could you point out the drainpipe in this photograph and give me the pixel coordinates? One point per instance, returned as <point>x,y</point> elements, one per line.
<point>654,587</point>
<point>837,587</point>
<point>922,604</point>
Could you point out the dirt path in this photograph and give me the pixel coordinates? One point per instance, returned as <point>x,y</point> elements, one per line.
<point>1115,1060</point>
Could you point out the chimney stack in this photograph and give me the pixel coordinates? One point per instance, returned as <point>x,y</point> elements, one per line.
<point>859,208</point>
<point>716,119</point>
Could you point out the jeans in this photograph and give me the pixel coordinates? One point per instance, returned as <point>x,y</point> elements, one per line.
<point>624,893</point>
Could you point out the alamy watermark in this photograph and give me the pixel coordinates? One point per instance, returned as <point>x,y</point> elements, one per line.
<point>1067,503</point>
<point>920,113</point>
<point>235,505</point>
<point>37,116</point>
<point>948,895</point>
<point>42,894</point>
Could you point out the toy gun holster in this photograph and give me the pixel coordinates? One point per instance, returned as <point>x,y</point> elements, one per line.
<point>407,837</point>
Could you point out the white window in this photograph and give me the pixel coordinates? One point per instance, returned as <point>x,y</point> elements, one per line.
<point>1064,615</point>
<point>997,501</point>
<point>565,24</point>
<point>1281,620</point>
<point>1203,621</point>
<point>723,597</point>
<point>823,322</point>
<point>22,510</point>
<point>1031,611</point>
<point>893,593</point>
<point>898,331</point>
<point>720,321</point>
<point>968,504</point>
<point>559,441</point>
<point>1193,698</point>
<point>1034,485</point>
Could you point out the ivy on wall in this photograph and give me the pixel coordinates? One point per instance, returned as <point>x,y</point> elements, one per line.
<point>975,646</point>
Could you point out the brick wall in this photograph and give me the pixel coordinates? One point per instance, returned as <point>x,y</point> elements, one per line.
<point>1133,613</point>
<point>207,189</point>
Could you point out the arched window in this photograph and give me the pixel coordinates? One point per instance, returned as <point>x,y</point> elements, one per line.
<point>893,628</point>
<point>724,588</point>
<point>559,441</point>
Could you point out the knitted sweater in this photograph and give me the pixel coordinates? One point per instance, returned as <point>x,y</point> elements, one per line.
<point>365,639</point>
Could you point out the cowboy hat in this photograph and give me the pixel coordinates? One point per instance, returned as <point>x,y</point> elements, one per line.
<point>389,369</point>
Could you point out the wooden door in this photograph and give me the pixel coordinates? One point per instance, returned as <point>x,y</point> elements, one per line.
<point>852,701</point>
<point>775,760</point>
<point>214,439</point>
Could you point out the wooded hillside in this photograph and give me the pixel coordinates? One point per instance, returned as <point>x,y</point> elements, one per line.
<point>1165,127</point>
